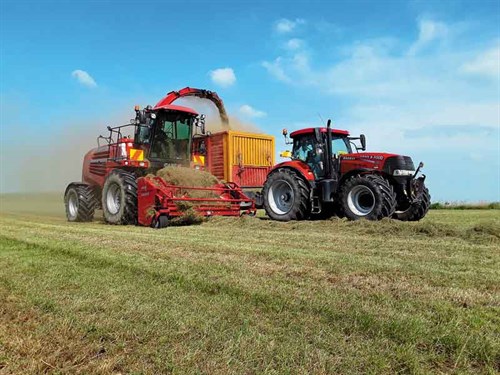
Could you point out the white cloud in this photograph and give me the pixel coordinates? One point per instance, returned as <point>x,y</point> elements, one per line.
<point>224,77</point>
<point>276,70</point>
<point>429,31</point>
<point>249,111</point>
<point>285,25</point>
<point>294,44</point>
<point>389,92</point>
<point>486,64</point>
<point>84,78</point>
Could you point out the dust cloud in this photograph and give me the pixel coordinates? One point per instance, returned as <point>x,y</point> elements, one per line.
<point>48,162</point>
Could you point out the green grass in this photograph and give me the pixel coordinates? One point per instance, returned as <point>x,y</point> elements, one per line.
<point>248,295</point>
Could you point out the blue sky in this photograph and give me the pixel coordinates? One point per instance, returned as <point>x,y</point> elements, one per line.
<point>419,78</point>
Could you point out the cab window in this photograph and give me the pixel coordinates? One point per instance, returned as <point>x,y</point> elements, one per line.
<point>340,146</point>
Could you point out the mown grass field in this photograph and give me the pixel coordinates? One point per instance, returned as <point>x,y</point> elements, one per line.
<point>248,295</point>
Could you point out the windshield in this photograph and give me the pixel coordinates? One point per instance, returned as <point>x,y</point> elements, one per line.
<point>171,137</point>
<point>307,149</point>
<point>341,145</point>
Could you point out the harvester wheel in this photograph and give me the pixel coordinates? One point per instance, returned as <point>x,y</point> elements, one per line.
<point>286,196</point>
<point>367,196</point>
<point>119,198</point>
<point>416,210</point>
<point>80,202</point>
<point>161,222</point>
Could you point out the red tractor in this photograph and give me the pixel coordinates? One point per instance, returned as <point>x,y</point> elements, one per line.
<point>113,173</point>
<point>325,177</point>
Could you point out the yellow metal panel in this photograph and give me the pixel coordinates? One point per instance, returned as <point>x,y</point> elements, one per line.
<point>251,149</point>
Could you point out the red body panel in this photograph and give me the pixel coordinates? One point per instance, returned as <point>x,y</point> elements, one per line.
<point>97,163</point>
<point>177,108</point>
<point>297,165</point>
<point>189,91</point>
<point>363,160</point>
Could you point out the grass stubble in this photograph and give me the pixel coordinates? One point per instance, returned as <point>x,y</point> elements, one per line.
<point>250,296</point>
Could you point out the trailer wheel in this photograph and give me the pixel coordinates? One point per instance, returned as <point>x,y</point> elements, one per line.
<point>119,198</point>
<point>80,202</point>
<point>286,196</point>
<point>417,210</point>
<point>368,196</point>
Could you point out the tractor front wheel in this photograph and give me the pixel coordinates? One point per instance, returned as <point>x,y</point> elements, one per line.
<point>80,202</point>
<point>286,196</point>
<point>419,208</point>
<point>368,196</point>
<point>119,198</point>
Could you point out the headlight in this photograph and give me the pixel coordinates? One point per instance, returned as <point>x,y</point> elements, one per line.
<point>403,172</point>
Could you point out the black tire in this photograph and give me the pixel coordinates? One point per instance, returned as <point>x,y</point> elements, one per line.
<point>80,202</point>
<point>119,198</point>
<point>286,196</point>
<point>367,196</point>
<point>327,211</point>
<point>417,210</point>
<point>161,222</point>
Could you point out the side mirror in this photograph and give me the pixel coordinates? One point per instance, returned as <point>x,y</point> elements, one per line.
<point>362,139</point>
<point>285,134</point>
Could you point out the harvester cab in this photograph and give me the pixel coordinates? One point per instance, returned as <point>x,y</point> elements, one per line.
<point>328,175</point>
<point>165,134</point>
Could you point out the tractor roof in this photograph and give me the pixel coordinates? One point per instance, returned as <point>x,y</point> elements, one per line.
<point>322,130</point>
<point>178,108</point>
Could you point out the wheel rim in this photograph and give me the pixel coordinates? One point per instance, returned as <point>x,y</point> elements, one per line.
<point>281,197</point>
<point>113,199</point>
<point>361,200</point>
<point>73,205</point>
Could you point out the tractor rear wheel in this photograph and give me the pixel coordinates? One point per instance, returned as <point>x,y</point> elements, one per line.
<point>119,198</point>
<point>286,196</point>
<point>368,196</point>
<point>80,202</point>
<point>416,210</point>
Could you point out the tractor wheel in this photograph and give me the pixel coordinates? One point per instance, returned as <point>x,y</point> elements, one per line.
<point>80,202</point>
<point>368,196</point>
<point>119,198</point>
<point>286,196</point>
<point>417,210</point>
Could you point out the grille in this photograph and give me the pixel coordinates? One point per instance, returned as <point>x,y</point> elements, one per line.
<point>398,162</point>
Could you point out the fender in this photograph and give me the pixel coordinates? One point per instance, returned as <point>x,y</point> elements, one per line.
<point>353,172</point>
<point>298,166</point>
<point>200,93</point>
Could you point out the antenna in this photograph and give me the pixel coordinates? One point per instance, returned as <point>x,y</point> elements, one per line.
<point>321,118</point>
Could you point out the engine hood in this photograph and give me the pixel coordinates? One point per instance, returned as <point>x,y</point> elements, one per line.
<point>367,156</point>
<point>379,161</point>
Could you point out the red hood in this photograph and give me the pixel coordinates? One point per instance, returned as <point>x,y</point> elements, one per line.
<point>368,155</point>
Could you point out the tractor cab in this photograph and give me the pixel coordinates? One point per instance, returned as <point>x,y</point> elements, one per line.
<point>309,146</point>
<point>165,134</point>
